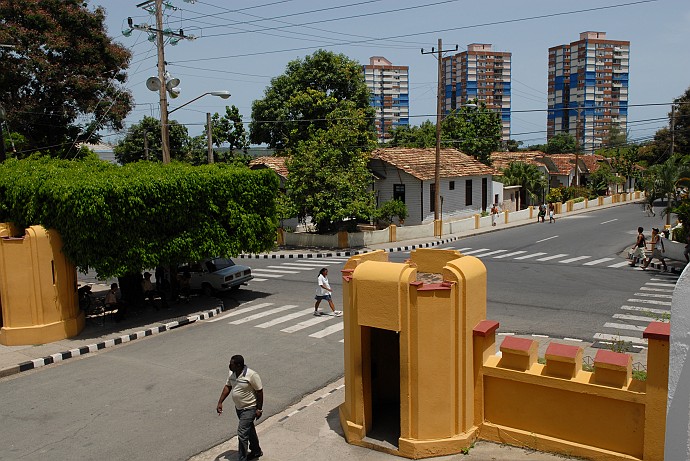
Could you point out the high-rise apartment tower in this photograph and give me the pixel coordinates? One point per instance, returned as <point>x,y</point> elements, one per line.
<point>389,94</point>
<point>479,73</point>
<point>588,89</point>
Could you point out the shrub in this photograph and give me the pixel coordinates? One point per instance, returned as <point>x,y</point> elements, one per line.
<point>390,209</point>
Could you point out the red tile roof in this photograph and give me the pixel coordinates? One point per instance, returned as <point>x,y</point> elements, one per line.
<point>501,160</point>
<point>277,164</point>
<point>421,163</point>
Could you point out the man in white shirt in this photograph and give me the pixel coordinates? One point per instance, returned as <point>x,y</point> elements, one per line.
<point>244,384</point>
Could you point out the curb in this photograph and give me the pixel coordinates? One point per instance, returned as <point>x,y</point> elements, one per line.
<point>78,352</point>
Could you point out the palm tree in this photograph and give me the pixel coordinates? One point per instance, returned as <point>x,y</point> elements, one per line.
<point>528,177</point>
<point>664,180</point>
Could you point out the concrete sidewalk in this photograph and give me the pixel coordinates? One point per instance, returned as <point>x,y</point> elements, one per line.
<point>310,430</point>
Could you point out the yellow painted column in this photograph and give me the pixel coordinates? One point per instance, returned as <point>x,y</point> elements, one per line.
<point>658,335</point>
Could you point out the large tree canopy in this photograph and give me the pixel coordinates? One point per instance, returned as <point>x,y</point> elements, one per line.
<point>121,220</point>
<point>62,79</point>
<point>302,98</point>
<point>328,176</point>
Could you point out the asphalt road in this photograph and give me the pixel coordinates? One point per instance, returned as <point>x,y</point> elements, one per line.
<point>155,398</point>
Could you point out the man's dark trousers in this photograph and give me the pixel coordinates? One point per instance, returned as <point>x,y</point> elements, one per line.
<point>246,433</point>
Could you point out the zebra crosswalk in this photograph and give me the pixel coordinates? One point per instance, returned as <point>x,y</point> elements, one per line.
<point>263,274</point>
<point>652,303</point>
<point>522,255</point>
<point>287,318</point>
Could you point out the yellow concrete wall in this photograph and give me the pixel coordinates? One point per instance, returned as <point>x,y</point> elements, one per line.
<point>600,415</point>
<point>38,288</point>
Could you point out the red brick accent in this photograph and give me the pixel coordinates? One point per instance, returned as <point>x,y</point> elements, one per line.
<point>516,344</point>
<point>485,328</point>
<point>562,350</point>
<point>416,283</point>
<point>658,330</point>
<point>433,286</point>
<point>615,359</point>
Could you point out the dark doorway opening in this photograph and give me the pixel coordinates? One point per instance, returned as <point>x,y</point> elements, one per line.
<point>384,427</point>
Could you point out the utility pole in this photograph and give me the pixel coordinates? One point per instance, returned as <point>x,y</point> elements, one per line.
<point>209,135</point>
<point>165,129</point>
<point>160,36</point>
<point>146,145</point>
<point>3,155</point>
<point>438,224</point>
<point>673,128</point>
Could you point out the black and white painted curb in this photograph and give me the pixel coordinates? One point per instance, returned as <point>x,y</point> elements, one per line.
<point>671,269</point>
<point>346,252</point>
<point>60,356</point>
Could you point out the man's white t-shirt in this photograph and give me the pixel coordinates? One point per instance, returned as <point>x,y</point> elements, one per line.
<point>323,282</point>
<point>244,388</point>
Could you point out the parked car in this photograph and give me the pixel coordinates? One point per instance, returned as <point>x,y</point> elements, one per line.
<point>216,274</point>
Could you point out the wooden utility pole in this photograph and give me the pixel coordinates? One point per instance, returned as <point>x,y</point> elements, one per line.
<point>165,129</point>
<point>209,136</point>
<point>438,225</point>
<point>146,145</point>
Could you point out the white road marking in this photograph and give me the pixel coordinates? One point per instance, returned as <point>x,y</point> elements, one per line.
<point>533,255</point>
<point>597,261</point>
<point>273,271</point>
<point>298,268</point>
<point>630,339</point>
<point>650,301</point>
<point>263,314</point>
<point>510,254</point>
<point>610,220</point>
<point>256,279</point>
<point>624,263</point>
<point>572,260</point>
<point>239,310</point>
<point>636,318</point>
<point>549,258</point>
<point>463,249</point>
<point>310,265</point>
<point>285,318</point>
<point>624,326</point>
<point>482,255</point>
<point>665,290</point>
<point>661,284</point>
<point>663,279</point>
<point>475,251</point>
<point>547,238</point>
<point>328,330</point>
<point>654,295</point>
<point>646,309</point>
<point>307,323</point>
<point>270,276</point>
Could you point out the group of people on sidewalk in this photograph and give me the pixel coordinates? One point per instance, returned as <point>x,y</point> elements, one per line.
<point>639,254</point>
<point>542,213</point>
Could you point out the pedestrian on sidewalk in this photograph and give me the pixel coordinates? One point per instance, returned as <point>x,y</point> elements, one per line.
<point>113,303</point>
<point>657,250</point>
<point>552,213</point>
<point>494,214</point>
<point>323,292</point>
<point>542,213</point>
<point>638,253</point>
<point>244,384</point>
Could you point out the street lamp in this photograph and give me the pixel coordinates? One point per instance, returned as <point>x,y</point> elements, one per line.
<point>224,94</point>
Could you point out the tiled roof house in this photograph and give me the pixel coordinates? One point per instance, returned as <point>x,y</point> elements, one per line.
<point>276,164</point>
<point>407,174</point>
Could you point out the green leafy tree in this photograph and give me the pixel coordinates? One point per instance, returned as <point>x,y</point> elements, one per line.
<point>120,220</point>
<point>555,195</point>
<point>624,161</point>
<point>389,210</point>
<point>513,145</point>
<point>599,181</point>
<point>228,131</point>
<point>62,80</point>
<point>615,137</point>
<point>328,177</point>
<point>528,176</point>
<point>132,147</point>
<point>475,131</point>
<point>420,136</point>
<point>301,100</point>
<point>562,143</point>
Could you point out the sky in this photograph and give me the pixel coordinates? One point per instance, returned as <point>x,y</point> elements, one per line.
<point>242,45</point>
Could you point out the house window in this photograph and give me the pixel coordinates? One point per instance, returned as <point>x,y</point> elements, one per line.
<point>432,197</point>
<point>496,198</point>
<point>468,192</point>
<point>399,192</point>
<point>451,185</point>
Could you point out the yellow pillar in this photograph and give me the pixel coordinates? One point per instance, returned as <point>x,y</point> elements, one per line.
<point>38,287</point>
<point>392,233</point>
<point>476,221</point>
<point>658,335</point>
